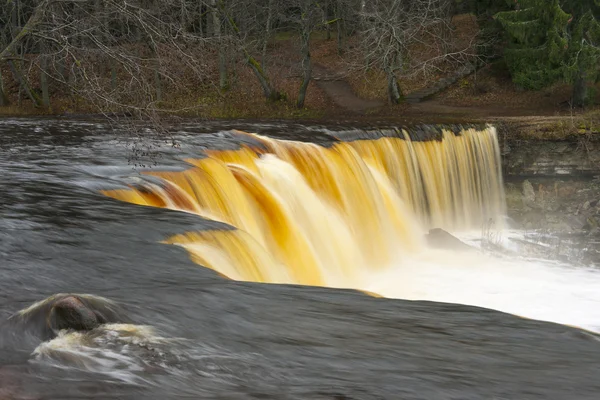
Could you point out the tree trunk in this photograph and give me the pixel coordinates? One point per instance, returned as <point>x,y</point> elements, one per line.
<point>158,83</point>
<point>113,75</point>
<point>327,24</point>
<point>306,68</point>
<point>267,33</point>
<point>268,91</point>
<point>183,17</point>
<point>217,33</point>
<point>36,16</point>
<point>363,8</point>
<point>157,77</point>
<point>202,23</point>
<point>44,80</point>
<point>44,75</point>
<point>580,90</point>
<point>340,27</point>
<point>24,84</point>
<point>3,96</point>
<point>394,92</point>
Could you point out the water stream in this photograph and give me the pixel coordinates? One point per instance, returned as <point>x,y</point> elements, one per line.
<point>347,212</point>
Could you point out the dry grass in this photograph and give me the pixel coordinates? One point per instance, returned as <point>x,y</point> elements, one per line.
<point>583,126</point>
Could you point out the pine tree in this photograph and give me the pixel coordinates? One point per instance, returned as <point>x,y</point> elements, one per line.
<point>491,30</point>
<point>550,41</point>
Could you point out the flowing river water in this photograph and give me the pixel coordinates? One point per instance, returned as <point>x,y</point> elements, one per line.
<point>335,217</point>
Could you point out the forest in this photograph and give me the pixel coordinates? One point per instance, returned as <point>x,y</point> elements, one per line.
<point>228,58</point>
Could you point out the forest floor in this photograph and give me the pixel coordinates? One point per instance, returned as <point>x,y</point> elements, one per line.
<point>341,92</point>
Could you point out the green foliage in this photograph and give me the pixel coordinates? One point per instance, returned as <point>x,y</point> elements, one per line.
<point>491,30</point>
<point>486,9</point>
<point>548,44</point>
<point>592,96</point>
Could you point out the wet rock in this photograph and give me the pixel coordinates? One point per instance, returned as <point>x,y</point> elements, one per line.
<point>591,223</point>
<point>556,205</point>
<point>574,222</point>
<point>71,313</point>
<point>559,226</point>
<point>528,194</point>
<point>440,239</point>
<point>594,232</point>
<point>75,312</point>
<point>11,385</point>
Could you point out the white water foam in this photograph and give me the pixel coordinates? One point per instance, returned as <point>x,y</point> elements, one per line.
<point>93,351</point>
<point>532,288</point>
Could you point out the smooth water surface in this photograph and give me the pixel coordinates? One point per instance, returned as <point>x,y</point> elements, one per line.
<point>197,335</point>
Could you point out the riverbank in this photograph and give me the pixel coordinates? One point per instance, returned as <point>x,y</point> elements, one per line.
<point>338,91</point>
<point>548,124</point>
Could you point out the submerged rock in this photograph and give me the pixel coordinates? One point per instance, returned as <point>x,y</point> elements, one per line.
<point>71,312</point>
<point>440,239</point>
<point>528,194</point>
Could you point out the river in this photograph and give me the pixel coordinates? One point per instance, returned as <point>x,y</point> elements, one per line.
<point>194,334</point>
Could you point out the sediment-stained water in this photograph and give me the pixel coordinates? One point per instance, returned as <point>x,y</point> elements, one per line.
<point>331,216</point>
<point>193,333</point>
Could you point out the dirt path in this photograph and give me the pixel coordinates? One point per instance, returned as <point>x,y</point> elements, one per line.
<point>341,93</point>
<point>426,107</point>
<point>339,90</point>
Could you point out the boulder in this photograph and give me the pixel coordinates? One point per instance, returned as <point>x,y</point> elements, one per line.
<point>75,312</point>
<point>71,313</point>
<point>440,239</point>
<point>528,195</point>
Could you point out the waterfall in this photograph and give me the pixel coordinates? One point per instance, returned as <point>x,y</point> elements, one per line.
<point>328,216</point>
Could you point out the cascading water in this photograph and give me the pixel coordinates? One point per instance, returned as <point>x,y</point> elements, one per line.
<point>313,215</point>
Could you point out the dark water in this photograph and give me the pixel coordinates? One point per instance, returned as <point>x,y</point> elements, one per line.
<point>232,340</point>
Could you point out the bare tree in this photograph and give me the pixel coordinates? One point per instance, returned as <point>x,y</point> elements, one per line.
<point>257,17</point>
<point>406,37</point>
<point>141,41</point>
<point>216,18</point>
<point>133,56</point>
<point>305,16</point>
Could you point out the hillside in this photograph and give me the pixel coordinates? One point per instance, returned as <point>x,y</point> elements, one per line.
<point>339,89</point>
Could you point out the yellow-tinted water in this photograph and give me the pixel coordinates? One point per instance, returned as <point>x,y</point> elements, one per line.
<point>329,216</point>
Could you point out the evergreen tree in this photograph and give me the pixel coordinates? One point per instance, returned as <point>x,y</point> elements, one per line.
<point>491,30</point>
<point>550,40</point>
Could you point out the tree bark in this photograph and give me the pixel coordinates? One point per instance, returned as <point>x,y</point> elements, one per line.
<point>394,93</point>
<point>183,17</point>
<point>36,17</point>
<point>158,83</point>
<point>306,67</point>
<point>268,90</point>
<point>327,24</point>
<point>580,90</point>
<point>340,27</point>
<point>157,77</point>
<point>217,33</point>
<point>43,59</point>
<point>24,84</point>
<point>113,75</point>
<point>3,96</point>
<point>267,33</point>
<point>202,23</point>
<point>44,80</point>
